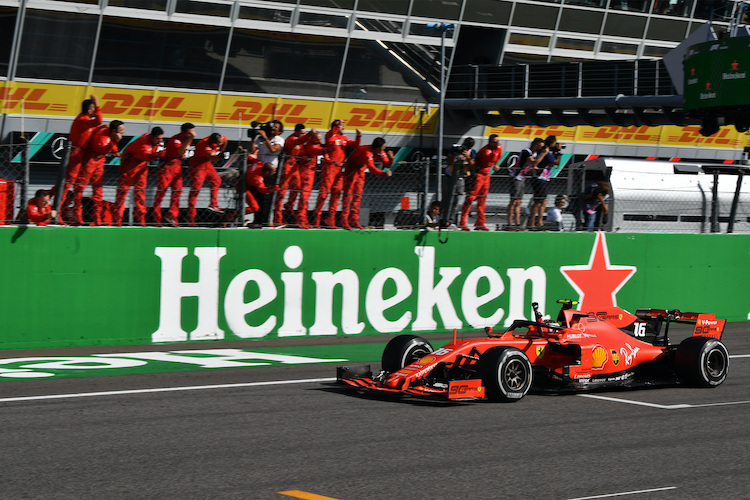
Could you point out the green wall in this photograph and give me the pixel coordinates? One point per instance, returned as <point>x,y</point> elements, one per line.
<point>65,286</point>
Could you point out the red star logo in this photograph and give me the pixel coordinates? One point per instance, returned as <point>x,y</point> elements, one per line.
<point>734,65</point>
<point>708,85</point>
<point>598,282</point>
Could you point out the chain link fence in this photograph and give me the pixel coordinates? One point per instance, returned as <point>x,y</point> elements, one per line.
<point>636,204</point>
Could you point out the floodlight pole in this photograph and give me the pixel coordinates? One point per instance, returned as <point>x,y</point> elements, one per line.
<point>443,27</point>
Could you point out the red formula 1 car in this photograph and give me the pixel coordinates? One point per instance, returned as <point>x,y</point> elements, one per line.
<point>579,351</point>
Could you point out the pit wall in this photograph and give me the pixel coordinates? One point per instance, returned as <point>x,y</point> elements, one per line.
<point>64,286</point>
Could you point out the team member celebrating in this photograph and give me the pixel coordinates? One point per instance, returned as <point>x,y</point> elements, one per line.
<point>331,176</point>
<point>289,172</point>
<point>256,196</point>
<point>134,173</point>
<point>81,131</point>
<point>306,166</point>
<point>39,211</point>
<point>363,158</point>
<point>201,168</point>
<point>484,164</point>
<point>170,174</point>
<point>103,142</point>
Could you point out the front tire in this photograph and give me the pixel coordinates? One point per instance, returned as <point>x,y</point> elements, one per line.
<point>702,361</point>
<point>506,373</point>
<point>403,350</point>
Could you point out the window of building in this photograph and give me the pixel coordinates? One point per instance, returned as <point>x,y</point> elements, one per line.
<point>518,58</point>
<point>619,48</point>
<point>625,25</point>
<point>713,9</point>
<point>160,53</point>
<point>654,51</point>
<point>284,63</point>
<point>7,27</point>
<point>667,29</point>
<point>678,8</point>
<point>56,45</point>
<point>437,9</point>
<point>574,43</point>
<point>581,21</point>
<point>140,4</point>
<point>423,29</point>
<point>378,25</point>
<point>400,7</point>
<point>269,14</point>
<point>333,4</point>
<point>535,16</point>
<point>588,3</point>
<point>630,5</point>
<point>487,11</point>
<point>323,20</point>
<point>203,8</point>
<point>526,39</point>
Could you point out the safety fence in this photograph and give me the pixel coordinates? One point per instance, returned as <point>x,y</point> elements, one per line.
<point>398,201</point>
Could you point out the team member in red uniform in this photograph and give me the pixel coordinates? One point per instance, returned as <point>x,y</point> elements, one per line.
<point>201,168</point>
<point>484,163</point>
<point>290,172</point>
<point>257,190</point>
<point>39,211</point>
<point>134,172</point>
<point>354,178</point>
<point>80,132</point>
<point>102,142</point>
<point>306,166</point>
<point>170,174</point>
<point>331,176</point>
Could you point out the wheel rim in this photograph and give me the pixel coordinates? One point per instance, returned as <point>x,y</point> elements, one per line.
<point>715,363</point>
<point>515,375</point>
<point>415,355</point>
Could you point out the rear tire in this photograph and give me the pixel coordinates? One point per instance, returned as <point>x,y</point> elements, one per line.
<point>702,361</point>
<point>403,350</point>
<point>506,373</point>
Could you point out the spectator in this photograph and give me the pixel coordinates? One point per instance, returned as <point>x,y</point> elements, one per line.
<point>595,203</point>
<point>459,164</point>
<point>134,173</point>
<point>169,174</point>
<point>540,179</point>
<point>81,130</point>
<point>432,218</point>
<point>289,178</point>
<point>311,151</point>
<point>331,176</point>
<point>527,160</point>
<point>485,163</point>
<point>361,159</point>
<point>554,220</point>
<point>103,142</point>
<point>201,168</point>
<point>257,178</point>
<point>39,210</point>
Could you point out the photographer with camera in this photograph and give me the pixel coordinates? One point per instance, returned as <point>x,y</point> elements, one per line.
<point>459,163</point>
<point>268,143</point>
<point>595,206</point>
<point>201,168</point>
<point>528,159</point>
<point>550,156</point>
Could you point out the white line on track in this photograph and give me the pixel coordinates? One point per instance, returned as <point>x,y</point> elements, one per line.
<point>166,389</point>
<point>661,407</point>
<point>635,492</point>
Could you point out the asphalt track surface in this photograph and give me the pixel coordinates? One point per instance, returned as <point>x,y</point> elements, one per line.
<point>234,434</point>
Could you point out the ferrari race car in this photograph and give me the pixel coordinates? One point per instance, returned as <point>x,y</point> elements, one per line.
<point>579,351</point>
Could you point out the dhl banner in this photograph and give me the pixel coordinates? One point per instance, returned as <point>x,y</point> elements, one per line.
<point>165,106</point>
<point>666,135</point>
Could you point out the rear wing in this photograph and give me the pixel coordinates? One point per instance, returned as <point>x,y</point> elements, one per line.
<point>706,325</point>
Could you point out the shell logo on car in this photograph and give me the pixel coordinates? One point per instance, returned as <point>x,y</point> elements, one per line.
<point>598,357</point>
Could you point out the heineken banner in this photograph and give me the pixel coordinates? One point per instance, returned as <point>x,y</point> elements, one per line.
<point>64,286</point>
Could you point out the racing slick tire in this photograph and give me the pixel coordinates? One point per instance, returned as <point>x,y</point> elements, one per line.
<point>404,350</point>
<point>506,373</point>
<point>702,361</point>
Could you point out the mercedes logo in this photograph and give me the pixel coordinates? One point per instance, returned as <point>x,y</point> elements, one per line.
<point>58,147</point>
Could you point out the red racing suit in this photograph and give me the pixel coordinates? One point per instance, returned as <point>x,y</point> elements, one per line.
<point>306,167</point>
<point>254,179</point>
<point>81,131</point>
<point>201,169</point>
<point>331,175</point>
<point>484,161</point>
<point>170,176</point>
<point>289,174</point>
<point>363,158</point>
<point>94,156</point>
<point>134,172</point>
<point>38,215</point>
